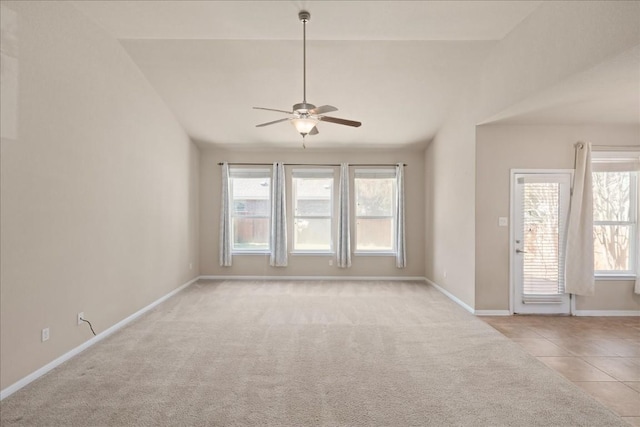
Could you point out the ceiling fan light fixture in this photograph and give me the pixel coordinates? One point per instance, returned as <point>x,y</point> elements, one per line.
<point>304,124</point>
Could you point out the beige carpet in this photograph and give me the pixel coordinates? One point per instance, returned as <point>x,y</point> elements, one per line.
<point>305,354</point>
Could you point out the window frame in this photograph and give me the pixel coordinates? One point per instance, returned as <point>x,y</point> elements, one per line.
<point>249,172</point>
<point>603,162</point>
<point>313,173</point>
<point>384,173</point>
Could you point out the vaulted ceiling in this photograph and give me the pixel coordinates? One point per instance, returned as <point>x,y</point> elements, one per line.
<point>396,66</point>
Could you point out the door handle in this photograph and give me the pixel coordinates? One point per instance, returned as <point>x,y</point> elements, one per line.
<point>518,251</point>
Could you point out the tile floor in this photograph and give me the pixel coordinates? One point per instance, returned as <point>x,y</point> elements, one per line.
<point>599,354</point>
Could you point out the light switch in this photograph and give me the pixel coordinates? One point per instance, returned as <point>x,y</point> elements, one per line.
<point>503,221</point>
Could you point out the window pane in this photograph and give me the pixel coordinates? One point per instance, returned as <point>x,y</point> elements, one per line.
<point>313,207</point>
<point>611,200</point>
<point>374,197</point>
<point>374,234</point>
<point>250,196</point>
<point>250,233</point>
<point>251,207</point>
<point>611,247</point>
<point>312,234</point>
<point>313,196</point>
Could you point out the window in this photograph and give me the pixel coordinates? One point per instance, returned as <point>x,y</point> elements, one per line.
<point>312,210</point>
<point>250,190</point>
<point>615,213</point>
<point>375,199</point>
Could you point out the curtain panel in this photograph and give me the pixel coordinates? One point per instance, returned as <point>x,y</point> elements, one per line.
<point>401,250</point>
<point>636,167</point>
<point>579,272</point>
<point>225,219</point>
<point>343,247</point>
<point>278,235</point>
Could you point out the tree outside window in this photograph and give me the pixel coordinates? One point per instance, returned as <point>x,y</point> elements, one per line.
<point>614,221</point>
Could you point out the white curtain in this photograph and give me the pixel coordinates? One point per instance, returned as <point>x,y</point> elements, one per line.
<point>225,219</point>
<point>637,287</point>
<point>401,251</point>
<point>579,275</point>
<point>343,248</point>
<point>278,235</point>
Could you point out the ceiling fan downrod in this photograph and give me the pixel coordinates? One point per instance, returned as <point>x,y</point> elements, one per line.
<point>304,17</point>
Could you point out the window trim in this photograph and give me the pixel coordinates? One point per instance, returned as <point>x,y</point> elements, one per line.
<point>313,173</point>
<point>383,172</point>
<point>249,172</point>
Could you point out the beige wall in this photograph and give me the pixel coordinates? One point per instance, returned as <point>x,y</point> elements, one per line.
<point>308,265</point>
<point>450,177</point>
<point>99,191</point>
<point>502,148</point>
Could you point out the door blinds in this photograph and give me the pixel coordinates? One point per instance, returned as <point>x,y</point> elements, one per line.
<point>543,232</point>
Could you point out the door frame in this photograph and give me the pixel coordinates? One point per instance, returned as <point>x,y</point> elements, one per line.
<point>512,232</point>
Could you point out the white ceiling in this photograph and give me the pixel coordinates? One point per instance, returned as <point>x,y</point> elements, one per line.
<point>396,66</point>
<point>608,93</point>
<point>330,20</point>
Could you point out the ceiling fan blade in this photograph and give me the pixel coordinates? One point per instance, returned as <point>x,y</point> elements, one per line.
<point>323,109</point>
<point>272,109</point>
<point>314,131</point>
<point>340,121</point>
<point>271,123</point>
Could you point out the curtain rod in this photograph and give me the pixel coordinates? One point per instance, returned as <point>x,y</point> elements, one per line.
<point>311,164</point>
<point>613,147</point>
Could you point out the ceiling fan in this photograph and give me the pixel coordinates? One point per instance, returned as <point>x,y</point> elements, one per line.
<point>305,116</point>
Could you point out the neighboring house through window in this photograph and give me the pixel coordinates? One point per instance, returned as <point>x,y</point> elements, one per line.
<point>615,213</point>
<point>312,210</point>
<point>250,190</point>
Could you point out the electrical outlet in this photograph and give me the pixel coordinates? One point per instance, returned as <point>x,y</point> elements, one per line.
<point>190,266</point>
<point>444,274</point>
<point>330,262</point>
<point>45,334</point>
<point>80,317</point>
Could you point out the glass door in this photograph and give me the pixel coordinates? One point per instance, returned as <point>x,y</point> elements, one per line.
<point>541,210</point>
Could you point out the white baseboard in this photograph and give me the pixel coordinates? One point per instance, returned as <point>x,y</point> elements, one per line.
<point>388,278</point>
<point>492,312</point>
<point>607,313</point>
<point>451,296</point>
<point>102,335</point>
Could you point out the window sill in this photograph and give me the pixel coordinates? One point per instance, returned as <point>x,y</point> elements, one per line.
<point>617,277</point>
<point>311,253</point>
<point>365,253</point>
<point>250,253</point>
